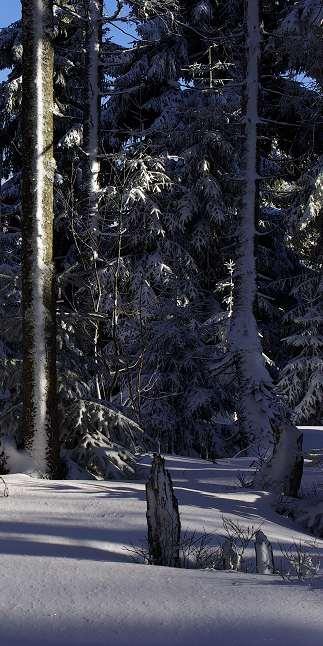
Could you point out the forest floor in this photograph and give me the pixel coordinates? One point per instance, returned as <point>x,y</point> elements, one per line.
<point>67,577</point>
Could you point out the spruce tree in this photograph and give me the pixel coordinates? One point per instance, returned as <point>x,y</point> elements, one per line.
<point>301,377</point>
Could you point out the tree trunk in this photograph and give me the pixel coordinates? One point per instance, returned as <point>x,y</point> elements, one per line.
<point>94,16</point>
<point>282,474</point>
<point>164,527</point>
<point>264,424</point>
<point>253,378</point>
<point>264,554</point>
<point>92,113</point>
<point>40,431</point>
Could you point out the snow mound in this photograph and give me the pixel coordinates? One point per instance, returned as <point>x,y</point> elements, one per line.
<point>67,576</point>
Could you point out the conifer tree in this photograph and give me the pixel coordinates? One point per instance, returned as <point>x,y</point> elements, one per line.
<point>301,377</point>
<point>262,418</point>
<point>147,207</point>
<point>94,437</point>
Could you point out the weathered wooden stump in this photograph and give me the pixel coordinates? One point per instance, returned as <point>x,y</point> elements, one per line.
<point>164,526</point>
<point>264,554</point>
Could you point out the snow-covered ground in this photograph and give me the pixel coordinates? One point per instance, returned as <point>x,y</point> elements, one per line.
<point>66,577</point>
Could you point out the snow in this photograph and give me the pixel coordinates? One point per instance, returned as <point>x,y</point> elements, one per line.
<point>18,461</point>
<point>68,578</point>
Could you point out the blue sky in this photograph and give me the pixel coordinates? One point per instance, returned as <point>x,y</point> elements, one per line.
<point>10,11</point>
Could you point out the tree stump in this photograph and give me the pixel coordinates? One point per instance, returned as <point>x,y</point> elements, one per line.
<point>230,558</point>
<point>164,526</point>
<point>264,554</point>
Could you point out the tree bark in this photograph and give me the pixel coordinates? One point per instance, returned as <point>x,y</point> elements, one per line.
<point>253,378</point>
<point>264,554</point>
<point>282,474</point>
<point>94,15</point>
<point>264,424</point>
<point>164,527</point>
<point>40,431</point>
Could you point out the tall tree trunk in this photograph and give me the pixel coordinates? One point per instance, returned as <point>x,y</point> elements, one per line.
<point>94,16</point>
<point>264,423</point>
<point>92,114</point>
<point>40,431</point>
<point>254,380</point>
